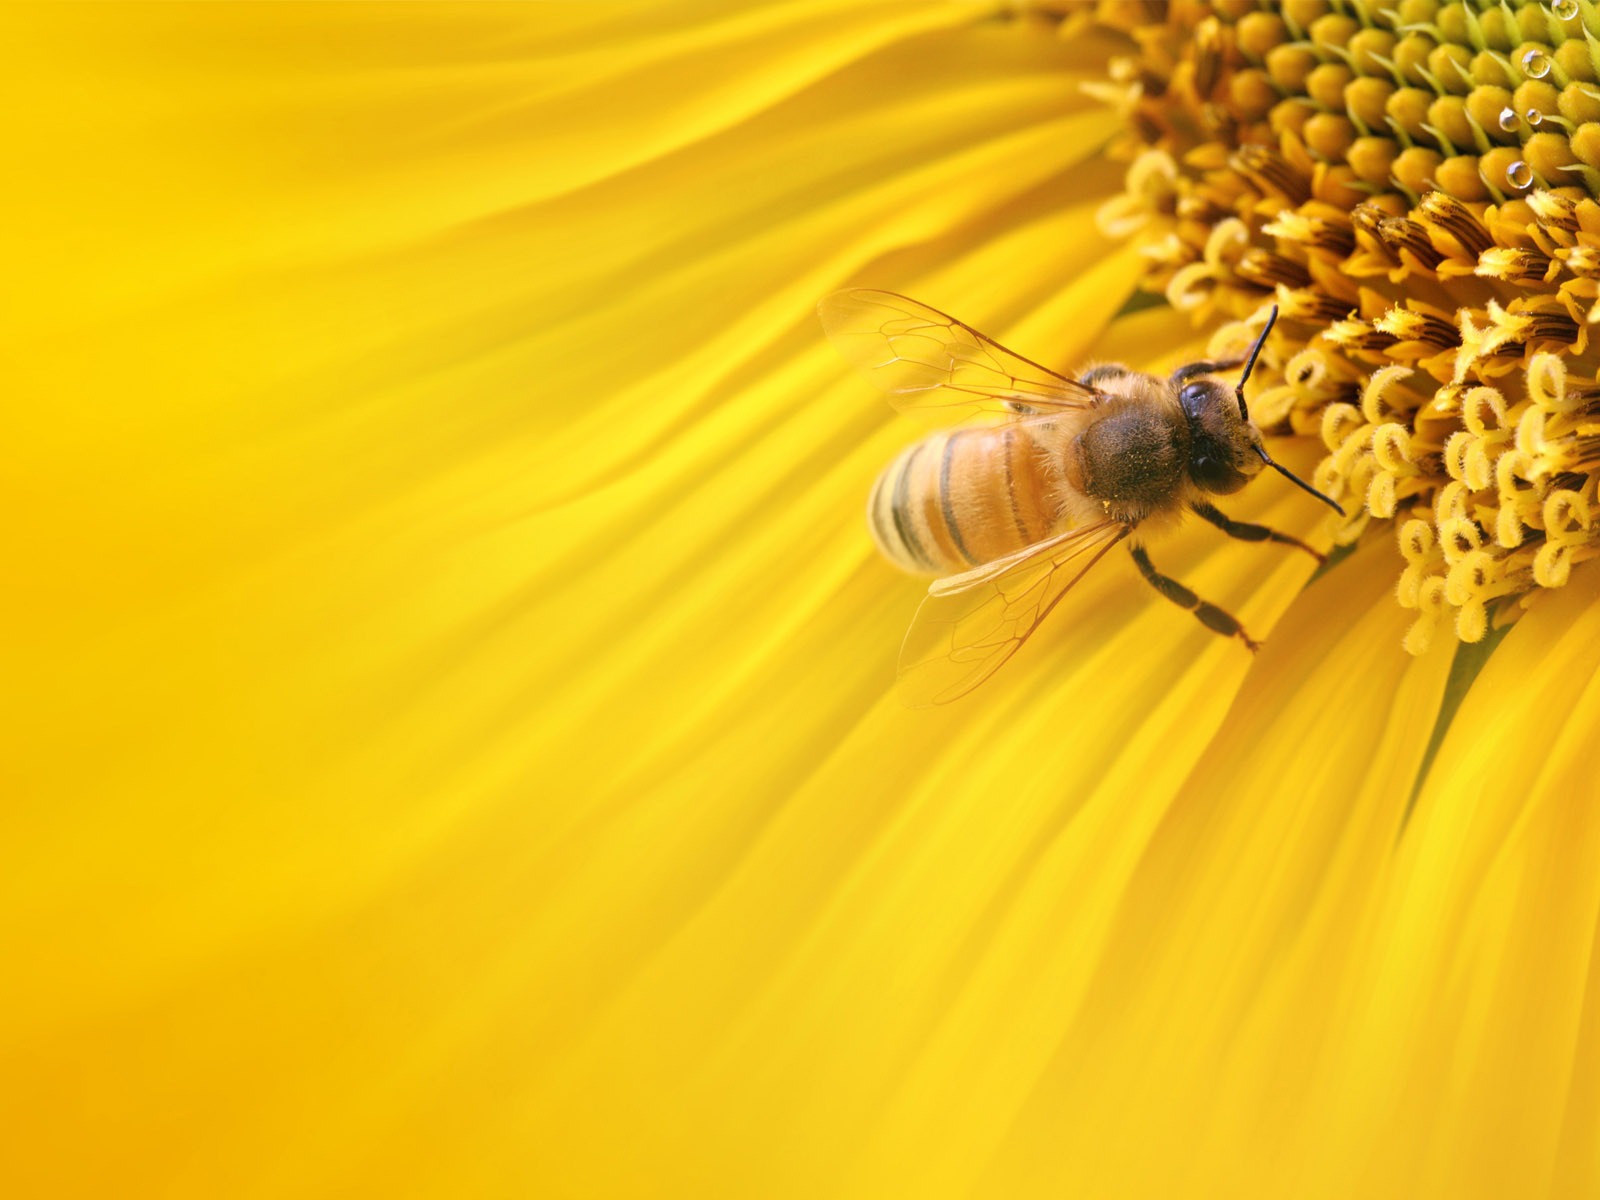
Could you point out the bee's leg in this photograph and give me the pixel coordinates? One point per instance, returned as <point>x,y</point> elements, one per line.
<point>1212,617</point>
<point>1189,370</point>
<point>1104,371</point>
<point>1247,532</point>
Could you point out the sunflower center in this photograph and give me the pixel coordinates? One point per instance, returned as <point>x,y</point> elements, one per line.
<point>1413,184</point>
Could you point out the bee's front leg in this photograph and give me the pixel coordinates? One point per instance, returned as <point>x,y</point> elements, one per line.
<point>1246,532</point>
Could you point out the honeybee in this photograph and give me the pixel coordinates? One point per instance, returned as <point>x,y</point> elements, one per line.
<point>1011,515</point>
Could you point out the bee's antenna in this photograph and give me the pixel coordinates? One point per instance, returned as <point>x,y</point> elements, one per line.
<point>1250,365</point>
<point>1291,476</point>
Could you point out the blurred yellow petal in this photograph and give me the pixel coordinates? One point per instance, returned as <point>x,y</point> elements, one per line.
<point>337,403</point>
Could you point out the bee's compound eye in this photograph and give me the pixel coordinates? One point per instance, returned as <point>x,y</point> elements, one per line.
<point>1192,397</point>
<point>1216,474</point>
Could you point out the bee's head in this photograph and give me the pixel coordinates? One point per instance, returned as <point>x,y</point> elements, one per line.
<point>1225,447</point>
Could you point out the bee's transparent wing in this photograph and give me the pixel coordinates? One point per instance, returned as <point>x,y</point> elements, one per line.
<point>971,623</point>
<point>926,359</point>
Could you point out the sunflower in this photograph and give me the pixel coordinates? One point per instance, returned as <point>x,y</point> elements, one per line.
<point>453,747</point>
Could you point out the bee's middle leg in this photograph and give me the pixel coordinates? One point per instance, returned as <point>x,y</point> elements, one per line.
<point>1246,532</point>
<point>1213,618</point>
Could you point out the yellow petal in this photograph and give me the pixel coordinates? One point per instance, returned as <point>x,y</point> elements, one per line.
<point>1479,1009</point>
<point>407,472</point>
<point>1222,966</point>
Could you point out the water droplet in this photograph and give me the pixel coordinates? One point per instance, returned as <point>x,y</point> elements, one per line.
<point>1564,10</point>
<point>1533,117</point>
<point>1508,120</point>
<point>1519,174</point>
<point>1534,64</point>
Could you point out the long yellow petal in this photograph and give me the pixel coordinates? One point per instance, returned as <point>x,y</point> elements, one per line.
<point>1219,980</point>
<point>1477,1028</point>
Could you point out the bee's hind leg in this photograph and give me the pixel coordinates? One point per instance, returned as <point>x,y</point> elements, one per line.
<point>1209,615</point>
<point>1247,532</point>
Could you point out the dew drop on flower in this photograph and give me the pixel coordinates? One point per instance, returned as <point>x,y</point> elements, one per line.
<point>1535,65</point>
<point>1508,119</point>
<point>1519,174</point>
<point>1564,10</point>
<point>1533,117</point>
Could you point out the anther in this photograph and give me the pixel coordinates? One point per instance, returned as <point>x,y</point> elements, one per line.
<point>1472,622</point>
<point>1552,565</point>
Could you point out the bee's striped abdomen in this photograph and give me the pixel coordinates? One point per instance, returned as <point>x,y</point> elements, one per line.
<point>959,498</point>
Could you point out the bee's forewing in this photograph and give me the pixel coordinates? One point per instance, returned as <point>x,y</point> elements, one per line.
<point>970,624</point>
<point>925,359</point>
